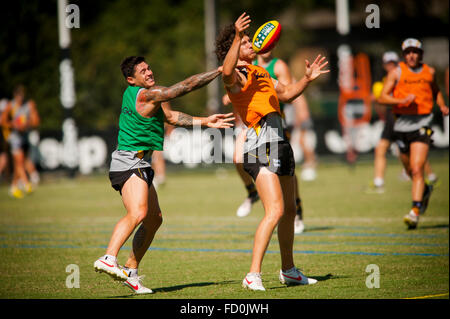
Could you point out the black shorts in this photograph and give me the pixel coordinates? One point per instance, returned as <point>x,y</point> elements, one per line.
<point>388,130</point>
<point>278,157</point>
<point>404,139</point>
<point>118,179</point>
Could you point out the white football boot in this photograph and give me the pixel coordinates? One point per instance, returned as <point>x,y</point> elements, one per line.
<point>245,208</point>
<point>299,227</point>
<point>135,284</point>
<point>253,281</point>
<point>294,277</point>
<point>411,219</point>
<point>111,268</point>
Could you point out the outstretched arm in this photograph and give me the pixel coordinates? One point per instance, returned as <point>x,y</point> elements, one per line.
<point>185,120</point>
<point>288,93</point>
<point>149,99</point>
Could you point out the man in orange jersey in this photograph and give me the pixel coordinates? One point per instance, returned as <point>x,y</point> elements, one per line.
<point>411,89</point>
<point>278,70</point>
<point>266,154</point>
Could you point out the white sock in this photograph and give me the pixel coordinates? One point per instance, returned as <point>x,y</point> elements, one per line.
<point>432,177</point>
<point>132,272</point>
<point>110,258</point>
<point>378,181</point>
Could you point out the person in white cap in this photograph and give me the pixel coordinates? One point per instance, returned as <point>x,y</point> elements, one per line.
<point>390,62</point>
<point>410,89</point>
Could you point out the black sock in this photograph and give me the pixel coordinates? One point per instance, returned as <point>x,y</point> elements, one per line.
<point>252,193</point>
<point>417,204</point>
<point>298,203</point>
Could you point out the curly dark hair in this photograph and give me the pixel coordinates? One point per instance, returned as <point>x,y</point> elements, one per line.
<point>224,41</point>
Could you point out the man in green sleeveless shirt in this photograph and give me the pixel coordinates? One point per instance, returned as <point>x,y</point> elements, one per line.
<point>141,131</point>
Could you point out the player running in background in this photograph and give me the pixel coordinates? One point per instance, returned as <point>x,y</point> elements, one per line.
<point>390,62</point>
<point>21,116</point>
<point>141,131</point>
<point>410,89</point>
<point>4,148</point>
<point>158,161</point>
<point>306,125</point>
<point>266,154</point>
<point>278,70</point>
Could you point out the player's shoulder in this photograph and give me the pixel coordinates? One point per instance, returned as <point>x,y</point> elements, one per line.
<point>430,68</point>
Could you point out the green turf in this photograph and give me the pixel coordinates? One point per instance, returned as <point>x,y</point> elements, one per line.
<point>203,250</point>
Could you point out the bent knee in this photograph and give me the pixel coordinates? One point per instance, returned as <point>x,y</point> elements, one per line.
<point>274,216</point>
<point>154,219</point>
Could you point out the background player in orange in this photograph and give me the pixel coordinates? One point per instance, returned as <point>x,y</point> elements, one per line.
<point>306,125</point>
<point>411,89</point>
<point>20,116</point>
<point>278,70</point>
<point>390,62</point>
<point>4,148</point>
<point>267,156</point>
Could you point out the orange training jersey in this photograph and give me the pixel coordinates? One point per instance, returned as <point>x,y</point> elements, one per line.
<point>257,98</point>
<point>418,84</point>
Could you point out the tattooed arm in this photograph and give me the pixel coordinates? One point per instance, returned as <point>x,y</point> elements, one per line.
<point>149,100</point>
<point>185,120</point>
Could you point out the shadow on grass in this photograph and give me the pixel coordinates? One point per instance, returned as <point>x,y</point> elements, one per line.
<point>318,278</point>
<point>311,229</point>
<point>179,287</point>
<point>433,226</point>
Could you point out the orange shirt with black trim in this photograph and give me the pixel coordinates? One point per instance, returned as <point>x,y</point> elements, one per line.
<point>418,84</point>
<point>257,98</point>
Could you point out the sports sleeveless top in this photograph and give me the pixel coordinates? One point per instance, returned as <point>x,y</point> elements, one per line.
<point>418,84</point>
<point>257,98</point>
<point>270,67</point>
<point>20,113</point>
<point>138,133</point>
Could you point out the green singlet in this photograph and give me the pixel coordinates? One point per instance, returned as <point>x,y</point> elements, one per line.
<point>270,67</point>
<point>138,133</point>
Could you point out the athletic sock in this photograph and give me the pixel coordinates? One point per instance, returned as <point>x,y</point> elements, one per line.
<point>132,272</point>
<point>252,193</point>
<point>298,204</point>
<point>110,258</point>
<point>416,205</point>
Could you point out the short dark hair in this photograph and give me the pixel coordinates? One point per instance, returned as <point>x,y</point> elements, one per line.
<point>224,41</point>
<point>128,65</point>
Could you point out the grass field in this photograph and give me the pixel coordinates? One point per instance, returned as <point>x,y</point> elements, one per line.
<point>203,250</point>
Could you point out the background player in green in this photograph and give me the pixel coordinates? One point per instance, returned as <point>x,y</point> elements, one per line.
<point>141,131</point>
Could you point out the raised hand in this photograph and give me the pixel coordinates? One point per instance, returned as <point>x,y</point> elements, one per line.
<point>220,120</point>
<point>313,71</point>
<point>242,23</point>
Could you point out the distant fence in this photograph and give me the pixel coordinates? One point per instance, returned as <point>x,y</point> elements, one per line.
<point>208,146</point>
